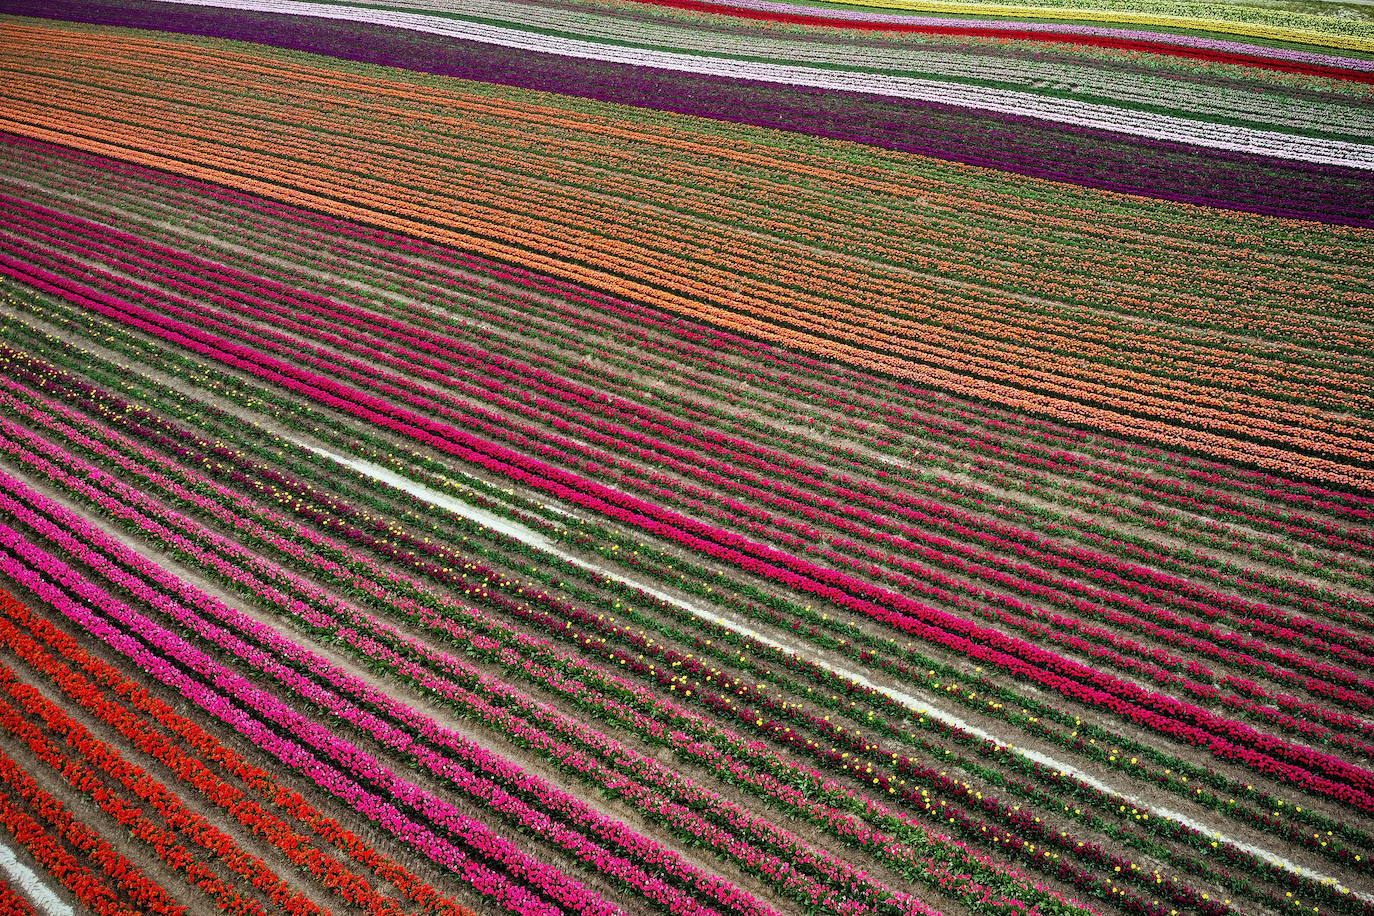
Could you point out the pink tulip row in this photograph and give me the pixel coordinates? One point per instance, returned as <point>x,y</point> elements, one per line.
<point>1349,784</point>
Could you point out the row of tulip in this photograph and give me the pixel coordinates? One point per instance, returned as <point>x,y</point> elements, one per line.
<point>207,766</point>
<point>1096,689</point>
<point>194,773</point>
<point>1069,843</point>
<point>1278,718</point>
<point>1171,773</point>
<point>120,789</point>
<point>93,870</point>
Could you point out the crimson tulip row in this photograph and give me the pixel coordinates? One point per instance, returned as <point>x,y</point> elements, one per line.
<point>138,715</point>
<point>98,771</point>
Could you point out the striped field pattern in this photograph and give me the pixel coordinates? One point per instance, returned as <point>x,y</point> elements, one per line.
<point>702,457</point>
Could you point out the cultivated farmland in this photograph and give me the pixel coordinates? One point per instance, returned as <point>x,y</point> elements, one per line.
<point>702,457</point>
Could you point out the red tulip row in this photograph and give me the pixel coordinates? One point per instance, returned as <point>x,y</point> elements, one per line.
<point>166,826</point>
<point>156,729</point>
<point>59,842</point>
<point>13,903</point>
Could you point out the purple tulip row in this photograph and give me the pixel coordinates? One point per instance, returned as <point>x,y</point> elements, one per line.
<point>1024,145</point>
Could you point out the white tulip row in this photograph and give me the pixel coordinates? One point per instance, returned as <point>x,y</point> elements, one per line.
<point>1353,118</point>
<point>27,882</point>
<point>1000,101</point>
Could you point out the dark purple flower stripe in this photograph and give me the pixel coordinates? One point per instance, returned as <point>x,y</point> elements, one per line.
<point>1317,772</point>
<point>1026,146</point>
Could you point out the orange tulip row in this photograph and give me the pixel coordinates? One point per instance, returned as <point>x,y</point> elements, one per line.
<point>1165,350</point>
<point>967,343</point>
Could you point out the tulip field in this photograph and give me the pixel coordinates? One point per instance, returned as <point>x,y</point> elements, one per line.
<point>693,457</point>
